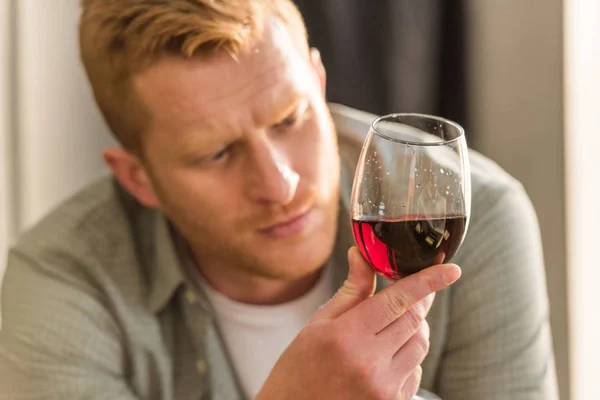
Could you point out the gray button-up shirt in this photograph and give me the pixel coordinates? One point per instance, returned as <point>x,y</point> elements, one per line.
<point>96,303</point>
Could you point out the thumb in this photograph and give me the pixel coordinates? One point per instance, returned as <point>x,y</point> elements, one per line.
<point>359,286</point>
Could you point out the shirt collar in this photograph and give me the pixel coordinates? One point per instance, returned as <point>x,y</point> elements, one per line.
<point>165,269</point>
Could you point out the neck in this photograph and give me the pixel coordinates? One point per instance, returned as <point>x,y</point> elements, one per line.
<point>247,288</point>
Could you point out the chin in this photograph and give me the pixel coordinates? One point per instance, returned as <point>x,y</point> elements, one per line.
<point>299,254</point>
<point>299,260</point>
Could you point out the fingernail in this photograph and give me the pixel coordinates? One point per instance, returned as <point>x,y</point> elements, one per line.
<point>451,274</point>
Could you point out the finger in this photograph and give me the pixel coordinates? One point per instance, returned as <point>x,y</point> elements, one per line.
<point>391,303</point>
<point>395,335</point>
<point>359,286</point>
<point>413,352</point>
<point>412,384</point>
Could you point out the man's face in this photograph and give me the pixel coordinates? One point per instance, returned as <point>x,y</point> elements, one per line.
<point>243,158</point>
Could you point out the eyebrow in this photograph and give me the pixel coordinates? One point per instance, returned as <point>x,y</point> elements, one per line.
<point>289,110</point>
<point>199,142</point>
<point>209,142</point>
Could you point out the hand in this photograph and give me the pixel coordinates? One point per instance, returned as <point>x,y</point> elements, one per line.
<point>360,346</point>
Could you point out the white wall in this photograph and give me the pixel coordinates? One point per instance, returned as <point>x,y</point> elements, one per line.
<point>6,190</point>
<point>516,98</point>
<point>60,131</point>
<point>582,144</point>
<point>51,134</point>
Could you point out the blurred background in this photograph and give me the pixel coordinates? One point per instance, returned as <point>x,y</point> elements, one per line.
<point>523,78</point>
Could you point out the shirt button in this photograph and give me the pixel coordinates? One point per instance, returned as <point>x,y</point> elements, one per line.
<point>191,297</point>
<point>201,367</point>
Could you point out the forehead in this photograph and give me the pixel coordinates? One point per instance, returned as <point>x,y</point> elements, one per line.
<point>189,93</point>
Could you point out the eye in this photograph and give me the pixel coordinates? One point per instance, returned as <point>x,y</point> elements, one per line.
<point>221,154</point>
<point>290,120</point>
<point>295,117</point>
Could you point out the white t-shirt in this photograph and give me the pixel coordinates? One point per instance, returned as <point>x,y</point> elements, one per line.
<point>256,336</point>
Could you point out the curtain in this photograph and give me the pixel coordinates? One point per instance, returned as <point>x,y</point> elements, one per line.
<point>392,55</point>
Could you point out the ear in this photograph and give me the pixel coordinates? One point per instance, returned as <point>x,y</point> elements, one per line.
<point>132,175</point>
<point>317,64</point>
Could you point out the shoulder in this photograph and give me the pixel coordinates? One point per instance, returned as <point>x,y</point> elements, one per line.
<point>68,297</point>
<point>488,180</point>
<point>88,240</point>
<point>352,127</point>
<point>85,225</point>
<point>502,215</point>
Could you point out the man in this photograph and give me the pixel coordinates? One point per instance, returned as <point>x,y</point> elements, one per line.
<point>203,270</point>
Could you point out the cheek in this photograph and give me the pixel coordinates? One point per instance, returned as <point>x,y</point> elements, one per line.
<point>317,158</point>
<point>330,167</point>
<point>197,196</point>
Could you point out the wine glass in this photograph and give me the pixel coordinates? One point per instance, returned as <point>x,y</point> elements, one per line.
<point>411,197</point>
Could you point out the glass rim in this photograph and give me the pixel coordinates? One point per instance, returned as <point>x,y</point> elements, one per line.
<point>441,142</point>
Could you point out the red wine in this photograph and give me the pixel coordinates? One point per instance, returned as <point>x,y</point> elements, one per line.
<point>400,247</point>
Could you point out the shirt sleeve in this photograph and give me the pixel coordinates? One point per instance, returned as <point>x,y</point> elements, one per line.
<point>499,342</point>
<point>58,340</point>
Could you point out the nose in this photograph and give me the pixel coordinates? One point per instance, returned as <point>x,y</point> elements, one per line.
<point>273,180</point>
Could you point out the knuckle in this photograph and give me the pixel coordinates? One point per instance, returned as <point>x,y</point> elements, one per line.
<point>395,305</point>
<point>381,394</point>
<point>435,282</point>
<point>323,336</point>
<point>418,373</point>
<point>354,291</point>
<point>422,342</point>
<point>412,319</point>
<point>365,372</point>
<point>381,391</point>
<point>426,303</point>
<point>425,329</point>
<point>370,372</point>
<point>411,386</point>
<point>336,342</point>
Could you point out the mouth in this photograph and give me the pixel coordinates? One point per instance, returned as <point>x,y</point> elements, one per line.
<point>289,226</point>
